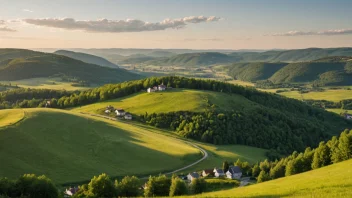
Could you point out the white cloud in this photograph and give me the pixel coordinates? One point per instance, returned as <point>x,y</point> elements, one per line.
<point>129,25</point>
<point>27,10</point>
<point>310,33</point>
<point>7,29</point>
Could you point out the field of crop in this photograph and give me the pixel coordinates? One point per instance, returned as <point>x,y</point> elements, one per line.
<point>168,101</point>
<point>44,83</point>
<point>10,117</point>
<point>69,147</point>
<point>331,181</point>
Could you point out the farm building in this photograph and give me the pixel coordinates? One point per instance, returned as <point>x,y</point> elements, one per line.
<point>218,172</point>
<point>192,176</point>
<point>234,172</point>
<point>128,116</point>
<point>208,172</point>
<point>120,112</point>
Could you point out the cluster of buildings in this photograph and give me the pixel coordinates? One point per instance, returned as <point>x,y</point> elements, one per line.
<point>119,112</point>
<point>234,172</point>
<point>161,87</point>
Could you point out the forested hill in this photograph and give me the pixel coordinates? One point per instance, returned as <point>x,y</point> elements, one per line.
<point>28,64</point>
<point>326,71</point>
<point>271,121</point>
<point>7,54</point>
<point>297,55</point>
<point>194,59</point>
<point>88,58</point>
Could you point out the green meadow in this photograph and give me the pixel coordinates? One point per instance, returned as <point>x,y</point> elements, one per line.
<point>331,181</point>
<point>69,147</point>
<point>169,101</point>
<point>10,117</point>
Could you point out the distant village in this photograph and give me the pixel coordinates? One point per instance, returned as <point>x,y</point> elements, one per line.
<point>234,172</point>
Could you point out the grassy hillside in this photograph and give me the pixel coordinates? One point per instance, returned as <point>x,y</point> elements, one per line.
<point>169,101</point>
<point>193,59</point>
<point>47,65</point>
<point>254,71</point>
<point>10,117</point>
<point>88,58</point>
<point>71,147</point>
<point>331,181</point>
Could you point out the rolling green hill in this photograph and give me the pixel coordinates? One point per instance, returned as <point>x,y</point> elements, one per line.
<point>87,58</point>
<point>7,54</point>
<point>194,59</point>
<point>169,101</point>
<point>331,181</point>
<point>71,147</point>
<point>49,65</point>
<point>326,71</point>
<point>297,55</point>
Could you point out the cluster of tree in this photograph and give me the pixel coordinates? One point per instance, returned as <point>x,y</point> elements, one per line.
<point>343,104</point>
<point>330,152</point>
<point>267,84</point>
<point>258,126</point>
<point>103,186</point>
<point>28,185</point>
<point>29,98</point>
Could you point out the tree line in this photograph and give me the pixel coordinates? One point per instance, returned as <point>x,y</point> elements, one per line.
<point>343,104</point>
<point>337,149</point>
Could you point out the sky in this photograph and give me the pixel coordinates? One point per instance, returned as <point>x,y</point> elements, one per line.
<point>185,24</point>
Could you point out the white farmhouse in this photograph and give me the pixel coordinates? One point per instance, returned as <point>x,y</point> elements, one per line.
<point>218,172</point>
<point>128,116</point>
<point>192,176</point>
<point>120,112</point>
<point>234,172</point>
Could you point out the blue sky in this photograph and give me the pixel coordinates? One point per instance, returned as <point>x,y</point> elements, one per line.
<point>238,24</point>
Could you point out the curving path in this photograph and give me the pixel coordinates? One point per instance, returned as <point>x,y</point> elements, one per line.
<point>204,152</point>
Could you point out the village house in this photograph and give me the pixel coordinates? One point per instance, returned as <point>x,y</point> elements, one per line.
<point>107,111</point>
<point>120,112</point>
<point>71,191</point>
<point>234,172</point>
<point>192,176</point>
<point>149,90</point>
<point>208,172</point>
<point>128,116</point>
<point>161,87</point>
<point>218,172</point>
<point>348,116</point>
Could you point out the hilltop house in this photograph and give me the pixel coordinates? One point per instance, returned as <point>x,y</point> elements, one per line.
<point>218,172</point>
<point>128,116</point>
<point>71,191</point>
<point>192,176</point>
<point>234,172</point>
<point>208,172</point>
<point>348,116</point>
<point>120,112</point>
<point>161,87</point>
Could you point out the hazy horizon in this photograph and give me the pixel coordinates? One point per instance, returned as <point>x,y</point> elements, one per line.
<point>203,25</point>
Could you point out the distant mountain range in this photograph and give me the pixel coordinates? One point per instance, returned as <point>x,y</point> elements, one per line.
<point>325,71</point>
<point>88,58</point>
<point>17,64</point>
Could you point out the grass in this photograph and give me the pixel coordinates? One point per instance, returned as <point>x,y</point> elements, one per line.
<point>331,95</point>
<point>69,147</point>
<point>219,153</point>
<point>338,111</point>
<point>44,83</point>
<point>168,101</point>
<point>331,181</point>
<point>10,117</point>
